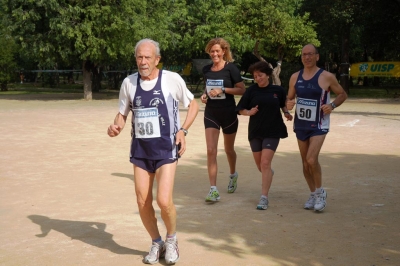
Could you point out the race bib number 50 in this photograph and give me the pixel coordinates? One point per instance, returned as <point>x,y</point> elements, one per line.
<point>147,124</point>
<point>306,109</point>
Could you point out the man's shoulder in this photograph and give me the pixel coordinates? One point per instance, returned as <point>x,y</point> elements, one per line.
<point>295,74</point>
<point>327,74</point>
<point>132,77</point>
<point>171,76</point>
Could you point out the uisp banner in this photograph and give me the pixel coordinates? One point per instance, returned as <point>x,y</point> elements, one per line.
<point>375,69</point>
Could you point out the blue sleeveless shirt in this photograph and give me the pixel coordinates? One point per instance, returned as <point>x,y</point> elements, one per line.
<point>155,123</point>
<point>310,97</point>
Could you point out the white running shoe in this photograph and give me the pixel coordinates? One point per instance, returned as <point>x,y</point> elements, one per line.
<point>233,182</point>
<point>309,205</point>
<point>171,250</point>
<point>157,251</point>
<point>213,196</point>
<point>263,204</point>
<point>320,201</point>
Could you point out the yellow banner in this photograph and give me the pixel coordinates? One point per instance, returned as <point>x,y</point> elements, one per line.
<point>375,69</point>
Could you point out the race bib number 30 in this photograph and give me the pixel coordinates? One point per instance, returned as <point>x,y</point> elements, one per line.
<point>147,124</point>
<point>306,109</point>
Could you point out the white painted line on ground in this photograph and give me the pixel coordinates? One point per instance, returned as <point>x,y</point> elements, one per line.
<point>351,123</point>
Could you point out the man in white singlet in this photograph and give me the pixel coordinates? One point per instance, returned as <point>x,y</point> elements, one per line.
<point>158,140</point>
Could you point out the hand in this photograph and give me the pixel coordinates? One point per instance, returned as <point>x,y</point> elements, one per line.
<point>290,104</point>
<point>215,92</point>
<point>114,130</point>
<point>327,108</point>
<point>252,111</point>
<point>288,116</point>
<point>212,93</point>
<point>180,142</point>
<point>204,98</point>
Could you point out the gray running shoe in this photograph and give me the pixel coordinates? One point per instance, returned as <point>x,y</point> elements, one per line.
<point>263,204</point>
<point>233,183</point>
<point>171,251</point>
<point>309,205</point>
<point>212,196</point>
<point>157,251</point>
<point>320,201</point>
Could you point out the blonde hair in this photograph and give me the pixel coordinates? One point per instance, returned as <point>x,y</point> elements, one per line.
<point>224,46</point>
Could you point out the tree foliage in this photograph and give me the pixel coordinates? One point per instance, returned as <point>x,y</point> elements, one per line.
<point>7,57</point>
<point>373,25</point>
<point>275,23</point>
<point>96,31</point>
<point>95,34</point>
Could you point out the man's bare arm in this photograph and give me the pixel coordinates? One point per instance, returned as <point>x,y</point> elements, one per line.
<point>119,124</point>
<point>292,91</point>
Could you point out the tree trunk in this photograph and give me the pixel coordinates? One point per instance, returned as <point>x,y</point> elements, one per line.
<point>87,81</point>
<point>96,79</point>
<point>344,66</point>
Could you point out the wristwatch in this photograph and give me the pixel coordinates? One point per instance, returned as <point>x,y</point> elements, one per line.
<point>184,131</point>
<point>333,105</point>
<point>223,89</point>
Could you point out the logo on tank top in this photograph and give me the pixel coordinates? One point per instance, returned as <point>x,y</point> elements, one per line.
<point>307,102</point>
<point>310,86</point>
<point>155,102</point>
<point>156,92</point>
<point>138,101</point>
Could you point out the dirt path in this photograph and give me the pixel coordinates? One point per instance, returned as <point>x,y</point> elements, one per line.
<point>67,192</point>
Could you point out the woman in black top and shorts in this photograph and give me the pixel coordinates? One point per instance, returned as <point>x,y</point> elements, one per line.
<point>223,81</point>
<point>263,103</point>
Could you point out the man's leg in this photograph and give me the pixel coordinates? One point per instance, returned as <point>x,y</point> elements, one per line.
<point>303,147</point>
<point>165,176</point>
<point>144,197</point>
<point>309,151</point>
<point>314,148</point>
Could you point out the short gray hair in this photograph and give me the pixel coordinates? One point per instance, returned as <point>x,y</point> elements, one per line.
<point>156,44</point>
